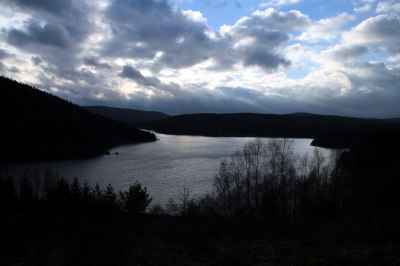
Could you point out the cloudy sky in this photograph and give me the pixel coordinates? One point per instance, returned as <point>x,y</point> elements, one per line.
<point>189,56</point>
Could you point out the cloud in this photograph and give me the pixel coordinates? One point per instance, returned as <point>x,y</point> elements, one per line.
<point>171,38</point>
<point>272,19</point>
<point>131,73</point>
<point>146,28</point>
<point>393,47</point>
<point>325,29</point>
<point>345,52</point>
<point>151,55</point>
<point>91,61</point>
<point>368,86</point>
<point>55,7</point>
<point>270,38</point>
<point>278,3</point>
<point>258,38</point>
<point>3,54</point>
<point>71,15</point>
<point>36,60</point>
<point>323,85</point>
<point>388,6</point>
<point>361,9</point>
<point>257,55</point>
<point>13,69</point>
<point>375,76</point>
<point>49,34</point>
<point>375,30</point>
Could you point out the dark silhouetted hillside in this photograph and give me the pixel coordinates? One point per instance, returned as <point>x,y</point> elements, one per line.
<point>36,125</point>
<point>326,130</point>
<point>127,116</point>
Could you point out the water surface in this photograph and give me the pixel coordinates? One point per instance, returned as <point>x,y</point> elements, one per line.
<point>163,166</point>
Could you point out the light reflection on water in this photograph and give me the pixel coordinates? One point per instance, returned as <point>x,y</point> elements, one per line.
<point>163,166</point>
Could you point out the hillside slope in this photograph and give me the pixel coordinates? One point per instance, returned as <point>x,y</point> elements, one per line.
<point>36,125</point>
<point>328,131</point>
<point>127,116</point>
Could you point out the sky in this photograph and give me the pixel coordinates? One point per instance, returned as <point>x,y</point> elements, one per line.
<point>209,56</point>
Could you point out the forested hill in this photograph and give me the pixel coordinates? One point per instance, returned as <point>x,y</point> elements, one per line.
<point>326,130</point>
<point>36,125</point>
<point>128,116</point>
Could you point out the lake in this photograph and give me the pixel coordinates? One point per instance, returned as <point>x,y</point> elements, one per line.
<point>163,166</point>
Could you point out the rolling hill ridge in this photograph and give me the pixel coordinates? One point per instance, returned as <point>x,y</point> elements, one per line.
<point>327,130</point>
<point>127,116</point>
<point>36,125</point>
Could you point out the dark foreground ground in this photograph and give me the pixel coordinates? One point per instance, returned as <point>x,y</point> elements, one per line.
<point>109,237</point>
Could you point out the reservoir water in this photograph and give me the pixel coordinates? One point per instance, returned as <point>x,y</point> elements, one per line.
<point>163,166</point>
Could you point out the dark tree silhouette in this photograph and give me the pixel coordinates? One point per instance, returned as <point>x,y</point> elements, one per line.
<point>136,199</point>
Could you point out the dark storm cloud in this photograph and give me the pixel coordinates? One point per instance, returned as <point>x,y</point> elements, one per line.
<point>153,83</point>
<point>393,48</point>
<point>68,74</point>
<point>143,28</point>
<point>36,60</point>
<point>266,29</point>
<point>3,54</point>
<point>149,21</point>
<point>73,19</point>
<point>222,63</point>
<point>260,56</point>
<point>345,52</point>
<point>91,61</point>
<point>14,70</point>
<point>49,34</point>
<point>2,66</point>
<point>270,38</point>
<point>55,33</point>
<point>131,73</point>
<point>56,7</point>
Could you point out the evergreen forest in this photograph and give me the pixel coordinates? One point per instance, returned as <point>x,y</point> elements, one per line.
<point>36,125</point>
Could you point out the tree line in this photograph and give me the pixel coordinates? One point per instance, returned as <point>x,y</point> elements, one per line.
<point>269,181</point>
<point>259,181</point>
<point>327,130</point>
<point>55,193</point>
